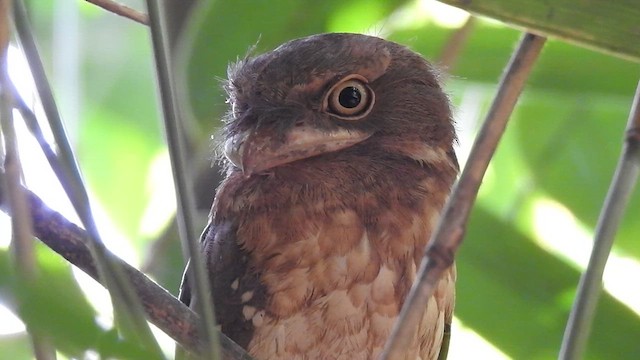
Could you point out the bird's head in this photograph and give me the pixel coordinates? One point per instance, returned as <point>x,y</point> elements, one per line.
<point>332,93</point>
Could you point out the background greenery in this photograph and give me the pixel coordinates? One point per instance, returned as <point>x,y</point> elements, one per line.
<point>560,148</point>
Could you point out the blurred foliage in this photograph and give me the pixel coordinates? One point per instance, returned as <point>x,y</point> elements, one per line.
<point>53,306</point>
<point>562,144</point>
<point>263,24</point>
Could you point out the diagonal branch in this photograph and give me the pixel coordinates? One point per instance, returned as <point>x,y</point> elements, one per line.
<point>452,48</point>
<point>122,10</point>
<point>196,272</point>
<point>21,241</point>
<point>161,308</point>
<point>127,309</point>
<point>446,239</point>
<point>620,191</point>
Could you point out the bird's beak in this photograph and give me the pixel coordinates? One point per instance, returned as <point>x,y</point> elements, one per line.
<point>257,151</point>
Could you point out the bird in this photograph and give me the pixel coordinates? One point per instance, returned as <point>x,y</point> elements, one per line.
<point>339,157</point>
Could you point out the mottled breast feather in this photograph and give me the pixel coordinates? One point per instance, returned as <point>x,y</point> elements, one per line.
<point>312,251</point>
<point>337,254</point>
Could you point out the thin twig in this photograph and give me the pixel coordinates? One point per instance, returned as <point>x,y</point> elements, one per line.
<point>122,10</point>
<point>127,308</point>
<point>32,124</point>
<point>21,227</point>
<point>28,44</point>
<point>622,185</point>
<point>161,308</point>
<point>21,241</point>
<point>196,271</point>
<point>441,249</point>
<point>454,45</point>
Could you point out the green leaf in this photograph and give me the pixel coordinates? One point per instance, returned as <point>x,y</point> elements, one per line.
<point>53,305</point>
<point>571,144</point>
<point>16,347</point>
<point>489,47</point>
<point>120,133</point>
<point>115,156</point>
<point>515,294</point>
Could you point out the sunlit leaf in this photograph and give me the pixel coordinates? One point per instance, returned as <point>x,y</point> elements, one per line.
<point>55,307</point>
<point>515,294</point>
<point>489,47</point>
<point>571,144</point>
<point>17,345</point>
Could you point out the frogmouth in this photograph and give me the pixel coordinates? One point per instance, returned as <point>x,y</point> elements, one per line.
<point>339,158</point>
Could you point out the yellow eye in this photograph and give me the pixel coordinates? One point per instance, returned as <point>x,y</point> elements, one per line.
<point>350,99</point>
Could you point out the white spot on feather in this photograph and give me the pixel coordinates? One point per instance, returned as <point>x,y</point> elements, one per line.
<point>433,220</point>
<point>248,312</point>
<point>258,318</point>
<point>279,340</point>
<point>382,288</point>
<point>365,245</point>
<point>246,296</point>
<point>431,155</point>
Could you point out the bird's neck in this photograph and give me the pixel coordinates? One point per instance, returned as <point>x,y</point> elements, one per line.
<point>360,179</point>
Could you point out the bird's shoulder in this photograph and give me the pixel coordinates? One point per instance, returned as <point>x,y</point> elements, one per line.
<point>237,292</point>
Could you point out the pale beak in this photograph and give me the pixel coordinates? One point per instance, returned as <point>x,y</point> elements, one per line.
<point>256,151</point>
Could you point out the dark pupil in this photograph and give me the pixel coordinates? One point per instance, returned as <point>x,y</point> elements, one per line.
<point>350,97</point>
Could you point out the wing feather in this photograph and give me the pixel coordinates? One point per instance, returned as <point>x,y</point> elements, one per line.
<point>236,289</point>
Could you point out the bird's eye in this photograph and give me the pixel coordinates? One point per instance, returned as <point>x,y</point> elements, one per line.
<point>350,99</point>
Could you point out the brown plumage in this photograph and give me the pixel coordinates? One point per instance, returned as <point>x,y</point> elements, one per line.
<point>340,159</point>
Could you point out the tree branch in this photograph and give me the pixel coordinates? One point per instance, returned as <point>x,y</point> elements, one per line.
<point>196,273</point>
<point>127,310</point>
<point>122,10</point>
<point>161,308</point>
<point>452,48</point>
<point>620,190</point>
<point>448,235</point>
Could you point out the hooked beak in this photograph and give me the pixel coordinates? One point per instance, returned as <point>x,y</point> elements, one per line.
<point>257,151</point>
